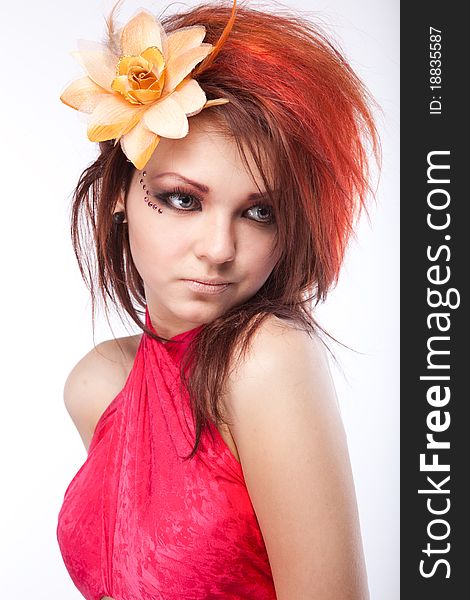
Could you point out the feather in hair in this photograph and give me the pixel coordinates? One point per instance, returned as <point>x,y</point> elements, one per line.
<point>210,58</point>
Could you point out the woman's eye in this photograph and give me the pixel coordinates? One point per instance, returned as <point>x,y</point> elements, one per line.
<point>183,201</point>
<point>262,213</point>
<point>179,200</point>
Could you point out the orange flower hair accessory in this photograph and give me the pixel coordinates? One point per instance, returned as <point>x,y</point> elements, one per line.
<point>146,92</point>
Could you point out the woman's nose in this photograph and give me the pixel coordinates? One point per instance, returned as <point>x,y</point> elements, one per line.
<point>216,239</point>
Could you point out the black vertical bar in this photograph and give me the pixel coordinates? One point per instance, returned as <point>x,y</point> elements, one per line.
<point>435,243</point>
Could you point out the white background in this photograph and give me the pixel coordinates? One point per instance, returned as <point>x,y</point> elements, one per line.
<point>46,324</point>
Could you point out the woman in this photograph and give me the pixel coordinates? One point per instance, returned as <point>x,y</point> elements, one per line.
<point>217,462</point>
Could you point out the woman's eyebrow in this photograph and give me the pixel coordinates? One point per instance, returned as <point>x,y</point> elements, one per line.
<point>204,188</point>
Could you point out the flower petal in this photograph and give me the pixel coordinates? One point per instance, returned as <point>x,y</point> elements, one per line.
<point>178,68</point>
<point>141,32</point>
<point>98,61</point>
<point>112,118</point>
<point>121,84</point>
<point>126,62</point>
<point>82,94</point>
<point>215,102</point>
<point>167,119</point>
<point>138,145</point>
<point>144,96</point>
<point>190,96</point>
<point>154,56</point>
<point>184,39</point>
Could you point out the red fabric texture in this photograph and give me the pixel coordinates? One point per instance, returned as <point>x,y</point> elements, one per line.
<point>140,523</point>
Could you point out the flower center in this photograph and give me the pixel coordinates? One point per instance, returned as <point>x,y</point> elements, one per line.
<point>140,79</point>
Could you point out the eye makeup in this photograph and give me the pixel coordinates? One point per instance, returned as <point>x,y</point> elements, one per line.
<point>177,190</point>
<point>147,201</point>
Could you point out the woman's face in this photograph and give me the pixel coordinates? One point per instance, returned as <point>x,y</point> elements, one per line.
<point>213,225</point>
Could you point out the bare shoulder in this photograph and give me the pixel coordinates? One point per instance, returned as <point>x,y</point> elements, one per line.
<point>285,421</point>
<point>96,380</point>
<point>285,365</point>
<point>281,346</point>
<point>284,372</point>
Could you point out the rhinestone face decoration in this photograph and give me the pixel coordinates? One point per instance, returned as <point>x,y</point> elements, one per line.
<point>148,202</point>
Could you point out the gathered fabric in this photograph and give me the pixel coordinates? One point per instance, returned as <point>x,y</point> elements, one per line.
<point>138,522</point>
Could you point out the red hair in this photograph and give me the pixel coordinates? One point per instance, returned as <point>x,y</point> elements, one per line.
<point>287,71</point>
<point>299,109</point>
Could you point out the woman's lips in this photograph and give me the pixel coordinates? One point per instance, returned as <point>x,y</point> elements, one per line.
<point>206,288</point>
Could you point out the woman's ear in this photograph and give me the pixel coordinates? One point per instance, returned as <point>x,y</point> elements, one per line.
<point>120,206</point>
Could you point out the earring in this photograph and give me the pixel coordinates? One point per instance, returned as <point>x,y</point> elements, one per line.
<point>118,217</point>
<point>146,197</point>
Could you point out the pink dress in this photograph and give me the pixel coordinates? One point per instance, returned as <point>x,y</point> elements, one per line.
<point>140,523</point>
